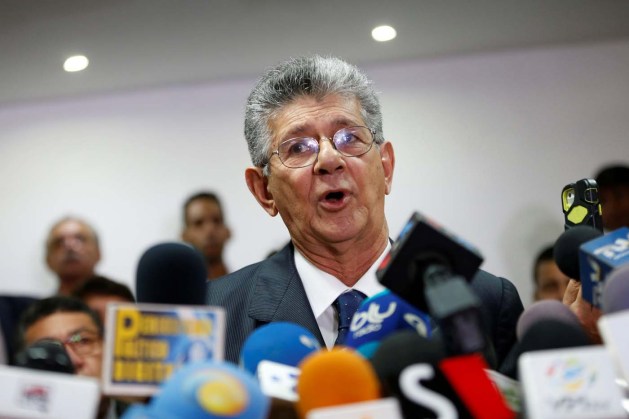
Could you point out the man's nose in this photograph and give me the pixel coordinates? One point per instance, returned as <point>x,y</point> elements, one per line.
<point>329,159</point>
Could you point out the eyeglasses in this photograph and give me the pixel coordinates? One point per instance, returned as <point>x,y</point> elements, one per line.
<point>82,343</point>
<point>303,151</point>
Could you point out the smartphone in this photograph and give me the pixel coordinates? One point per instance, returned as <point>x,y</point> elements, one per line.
<point>581,205</point>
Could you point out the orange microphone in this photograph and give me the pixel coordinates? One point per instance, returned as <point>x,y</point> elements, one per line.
<point>337,377</point>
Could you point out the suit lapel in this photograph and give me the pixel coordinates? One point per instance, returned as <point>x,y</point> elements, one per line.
<point>279,294</point>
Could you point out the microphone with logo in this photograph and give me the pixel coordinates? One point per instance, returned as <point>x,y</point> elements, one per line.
<point>381,315</point>
<point>171,325</point>
<point>43,384</point>
<point>429,267</point>
<point>427,384</point>
<point>207,389</point>
<point>585,254</point>
<point>273,353</point>
<point>568,383</point>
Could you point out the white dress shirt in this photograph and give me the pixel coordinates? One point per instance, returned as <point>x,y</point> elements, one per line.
<point>322,289</point>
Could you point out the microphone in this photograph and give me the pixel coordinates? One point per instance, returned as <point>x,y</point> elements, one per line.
<point>568,383</point>
<point>336,377</point>
<point>545,310</point>
<point>614,323</point>
<point>616,291</point>
<point>206,390</point>
<point>407,366</point>
<point>542,335</point>
<point>171,273</point>
<point>598,258</point>
<point>45,355</point>
<point>273,352</point>
<point>429,267</point>
<point>40,393</point>
<point>427,383</point>
<point>467,375</point>
<point>381,315</point>
<point>283,342</point>
<point>171,325</point>
<point>566,250</point>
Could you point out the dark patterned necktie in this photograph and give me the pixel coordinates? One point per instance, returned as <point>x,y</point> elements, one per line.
<point>346,305</point>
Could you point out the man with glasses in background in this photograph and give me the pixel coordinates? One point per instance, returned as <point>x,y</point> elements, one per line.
<point>78,328</point>
<point>314,131</point>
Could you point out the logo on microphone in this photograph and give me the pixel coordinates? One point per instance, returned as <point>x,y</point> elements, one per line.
<point>614,251</point>
<point>369,321</point>
<point>35,397</point>
<point>574,384</point>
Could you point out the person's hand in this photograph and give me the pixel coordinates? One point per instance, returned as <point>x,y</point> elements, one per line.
<point>588,314</point>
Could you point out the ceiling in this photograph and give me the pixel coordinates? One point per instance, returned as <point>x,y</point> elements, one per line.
<point>134,44</point>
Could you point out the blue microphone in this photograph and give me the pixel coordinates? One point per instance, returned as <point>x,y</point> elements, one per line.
<point>281,342</point>
<point>598,258</point>
<point>382,315</point>
<point>273,352</point>
<point>209,390</point>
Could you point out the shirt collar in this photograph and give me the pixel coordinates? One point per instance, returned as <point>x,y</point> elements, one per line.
<point>322,288</point>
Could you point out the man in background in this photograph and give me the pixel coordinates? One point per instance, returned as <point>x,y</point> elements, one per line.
<point>72,252</point>
<point>205,229</point>
<point>99,291</point>
<point>78,328</point>
<point>613,186</point>
<point>550,282</point>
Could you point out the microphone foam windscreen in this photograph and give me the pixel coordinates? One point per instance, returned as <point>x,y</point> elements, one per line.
<point>545,310</point>
<point>546,334</point>
<point>171,273</point>
<point>336,377</point>
<point>282,342</point>
<point>616,290</point>
<point>207,389</point>
<point>566,250</point>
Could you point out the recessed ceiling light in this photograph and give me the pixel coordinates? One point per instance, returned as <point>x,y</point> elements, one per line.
<point>76,63</point>
<point>383,33</point>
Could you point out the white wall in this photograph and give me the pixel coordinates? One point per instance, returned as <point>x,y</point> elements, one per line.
<point>484,143</point>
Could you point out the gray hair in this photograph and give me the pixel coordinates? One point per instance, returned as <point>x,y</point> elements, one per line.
<point>315,76</point>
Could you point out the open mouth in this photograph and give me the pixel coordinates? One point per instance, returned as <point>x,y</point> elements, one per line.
<point>334,196</point>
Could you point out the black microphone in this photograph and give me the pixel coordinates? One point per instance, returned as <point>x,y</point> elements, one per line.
<point>45,355</point>
<point>171,273</point>
<point>544,334</point>
<point>566,249</point>
<point>427,384</point>
<point>429,267</point>
<point>432,395</point>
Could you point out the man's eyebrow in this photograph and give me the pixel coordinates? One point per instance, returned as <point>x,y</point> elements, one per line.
<point>338,122</point>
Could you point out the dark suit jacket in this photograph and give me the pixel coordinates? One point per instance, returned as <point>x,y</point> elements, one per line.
<point>11,308</point>
<point>272,290</point>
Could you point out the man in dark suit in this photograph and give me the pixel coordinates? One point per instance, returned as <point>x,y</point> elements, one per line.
<point>314,130</point>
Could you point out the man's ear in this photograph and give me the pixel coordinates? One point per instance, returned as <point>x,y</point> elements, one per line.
<point>387,157</point>
<point>258,185</point>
